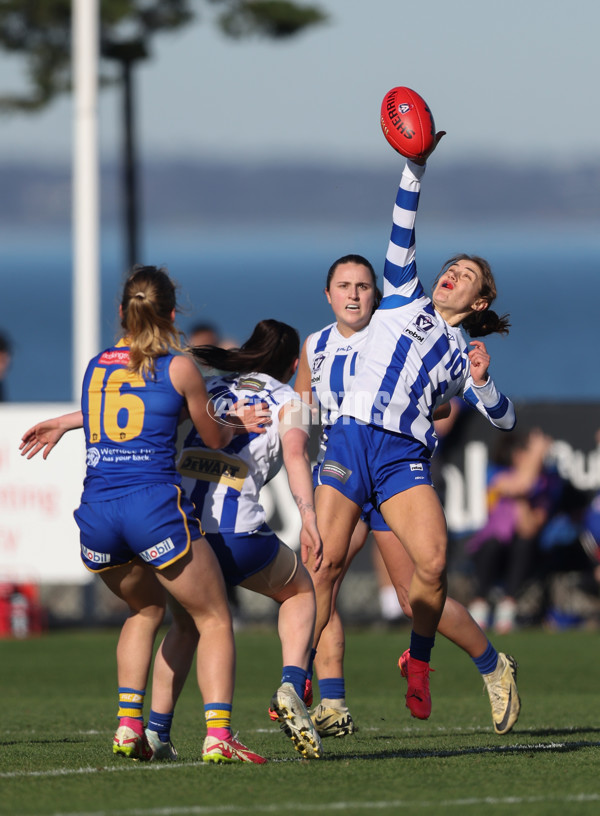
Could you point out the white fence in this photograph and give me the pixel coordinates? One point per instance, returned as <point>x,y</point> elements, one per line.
<point>39,539</point>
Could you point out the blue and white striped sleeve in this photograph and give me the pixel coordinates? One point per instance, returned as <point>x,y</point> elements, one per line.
<point>490,402</point>
<point>400,270</point>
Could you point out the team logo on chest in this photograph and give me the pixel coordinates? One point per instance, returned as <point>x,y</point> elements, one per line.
<point>420,327</point>
<point>317,367</point>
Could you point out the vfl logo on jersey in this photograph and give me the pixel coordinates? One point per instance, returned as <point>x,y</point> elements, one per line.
<point>251,384</point>
<point>92,457</point>
<point>317,367</point>
<point>213,466</point>
<point>152,553</point>
<point>417,466</point>
<point>95,557</point>
<point>420,327</point>
<point>335,470</point>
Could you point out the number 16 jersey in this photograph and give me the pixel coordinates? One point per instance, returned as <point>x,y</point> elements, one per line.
<point>130,425</point>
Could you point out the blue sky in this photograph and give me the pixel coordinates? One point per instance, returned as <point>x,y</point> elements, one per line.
<point>516,79</point>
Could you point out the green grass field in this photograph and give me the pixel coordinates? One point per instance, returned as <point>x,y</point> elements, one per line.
<point>58,719</point>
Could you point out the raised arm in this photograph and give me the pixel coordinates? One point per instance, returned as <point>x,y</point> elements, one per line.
<point>400,270</point>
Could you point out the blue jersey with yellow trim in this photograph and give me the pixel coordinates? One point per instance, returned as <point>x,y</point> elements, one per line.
<point>413,361</point>
<point>130,425</point>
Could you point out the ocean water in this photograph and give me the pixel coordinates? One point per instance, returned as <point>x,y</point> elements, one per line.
<point>548,280</point>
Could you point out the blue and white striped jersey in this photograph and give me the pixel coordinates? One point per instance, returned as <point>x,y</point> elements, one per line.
<point>332,359</point>
<point>224,485</point>
<point>412,360</point>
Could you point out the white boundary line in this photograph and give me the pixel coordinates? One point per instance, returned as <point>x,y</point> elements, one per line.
<point>137,767</point>
<point>300,807</point>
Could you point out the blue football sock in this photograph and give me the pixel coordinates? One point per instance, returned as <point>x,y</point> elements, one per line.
<point>332,688</point>
<point>421,646</point>
<point>296,676</point>
<point>486,663</point>
<point>161,723</point>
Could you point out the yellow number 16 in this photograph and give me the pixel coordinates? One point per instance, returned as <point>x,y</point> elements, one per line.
<point>114,403</point>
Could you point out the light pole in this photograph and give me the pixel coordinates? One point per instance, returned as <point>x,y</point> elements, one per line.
<point>127,53</point>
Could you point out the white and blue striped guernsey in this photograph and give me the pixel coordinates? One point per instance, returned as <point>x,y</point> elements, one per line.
<point>332,359</point>
<point>412,360</point>
<point>224,485</point>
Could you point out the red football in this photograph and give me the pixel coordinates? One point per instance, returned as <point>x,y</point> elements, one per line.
<point>407,122</point>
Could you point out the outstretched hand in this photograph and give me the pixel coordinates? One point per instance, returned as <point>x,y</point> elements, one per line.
<point>47,433</point>
<point>42,436</point>
<point>422,159</point>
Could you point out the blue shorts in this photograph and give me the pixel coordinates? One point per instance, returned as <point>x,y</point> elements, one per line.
<point>367,463</point>
<point>373,518</point>
<point>370,514</point>
<point>156,523</point>
<point>243,554</point>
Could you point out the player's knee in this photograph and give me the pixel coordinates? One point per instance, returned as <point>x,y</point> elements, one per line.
<point>327,574</point>
<point>331,568</point>
<point>432,570</point>
<point>147,615</point>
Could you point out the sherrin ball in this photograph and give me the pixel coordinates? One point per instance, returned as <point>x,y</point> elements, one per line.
<point>407,122</point>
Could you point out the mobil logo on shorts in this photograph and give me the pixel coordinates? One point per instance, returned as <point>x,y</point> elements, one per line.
<point>152,553</point>
<point>95,557</point>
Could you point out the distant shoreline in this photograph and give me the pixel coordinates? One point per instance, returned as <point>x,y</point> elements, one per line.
<point>191,192</point>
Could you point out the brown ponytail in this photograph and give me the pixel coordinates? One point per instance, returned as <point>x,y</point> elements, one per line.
<point>479,324</point>
<point>147,306</point>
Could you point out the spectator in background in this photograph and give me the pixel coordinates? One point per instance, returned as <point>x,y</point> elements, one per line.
<point>203,334</point>
<point>5,358</point>
<point>207,334</point>
<point>521,495</point>
<point>570,562</point>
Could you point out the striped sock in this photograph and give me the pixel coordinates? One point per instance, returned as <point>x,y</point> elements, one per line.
<point>218,720</point>
<point>131,703</point>
<point>486,663</point>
